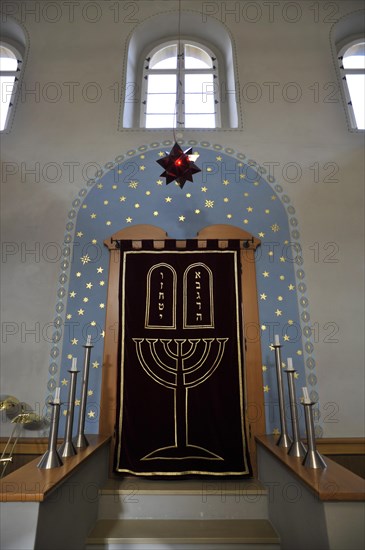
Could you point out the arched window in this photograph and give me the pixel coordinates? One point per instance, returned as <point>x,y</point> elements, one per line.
<point>13,53</point>
<point>348,47</point>
<point>179,87</point>
<point>352,66</point>
<point>205,95</point>
<point>10,61</point>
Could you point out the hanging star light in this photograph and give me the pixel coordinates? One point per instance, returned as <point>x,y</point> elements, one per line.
<point>179,165</point>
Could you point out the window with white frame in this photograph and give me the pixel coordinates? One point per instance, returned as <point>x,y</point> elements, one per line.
<point>352,67</point>
<point>180,87</point>
<point>10,61</point>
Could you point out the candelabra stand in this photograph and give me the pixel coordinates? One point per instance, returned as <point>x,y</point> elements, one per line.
<point>67,448</point>
<point>51,458</point>
<point>284,439</point>
<point>296,448</point>
<point>80,440</point>
<point>312,458</point>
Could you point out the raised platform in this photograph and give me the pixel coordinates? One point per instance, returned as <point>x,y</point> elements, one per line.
<point>183,514</point>
<point>222,534</point>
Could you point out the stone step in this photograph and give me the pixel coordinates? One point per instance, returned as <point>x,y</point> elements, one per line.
<point>139,498</point>
<point>251,534</point>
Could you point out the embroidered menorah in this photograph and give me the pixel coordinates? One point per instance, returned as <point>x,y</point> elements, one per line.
<point>180,364</point>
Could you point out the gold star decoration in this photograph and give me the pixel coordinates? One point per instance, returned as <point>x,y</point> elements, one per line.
<point>100,270</point>
<point>91,414</point>
<point>263,296</point>
<point>95,365</point>
<point>74,341</point>
<point>85,259</point>
<point>266,388</point>
<point>64,382</point>
<point>209,204</point>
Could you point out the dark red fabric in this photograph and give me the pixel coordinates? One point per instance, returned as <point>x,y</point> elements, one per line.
<point>181,380</point>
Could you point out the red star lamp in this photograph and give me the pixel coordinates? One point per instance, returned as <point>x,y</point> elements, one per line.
<point>179,165</point>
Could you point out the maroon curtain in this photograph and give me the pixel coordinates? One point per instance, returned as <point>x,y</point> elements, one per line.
<point>181,378</point>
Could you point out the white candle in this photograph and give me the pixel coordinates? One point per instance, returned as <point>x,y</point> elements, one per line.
<point>57,396</point>
<point>306,395</point>
<point>276,340</point>
<point>88,341</point>
<point>290,364</point>
<point>74,364</point>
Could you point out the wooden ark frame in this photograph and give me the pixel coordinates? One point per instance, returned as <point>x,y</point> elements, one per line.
<point>255,412</point>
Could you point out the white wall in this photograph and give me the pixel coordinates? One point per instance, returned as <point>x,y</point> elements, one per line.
<point>311,132</point>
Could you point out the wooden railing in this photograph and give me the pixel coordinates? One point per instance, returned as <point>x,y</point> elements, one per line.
<point>335,483</point>
<point>31,484</point>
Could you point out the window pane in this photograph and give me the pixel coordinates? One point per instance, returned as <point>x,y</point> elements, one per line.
<point>201,83</point>
<point>354,57</point>
<point>199,103</point>
<point>356,84</point>
<point>166,58</point>
<point>161,83</point>
<point>200,121</point>
<point>6,89</point>
<point>196,58</point>
<point>161,103</point>
<point>8,60</point>
<point>160,121</point>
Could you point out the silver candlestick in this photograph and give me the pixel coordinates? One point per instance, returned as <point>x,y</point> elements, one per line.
<point>80,440</point>
<point>51,458</point>
<point>67,448</point>
<point>312,458</point>
<point>284,439</point>
<point>296,448</point>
